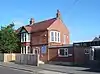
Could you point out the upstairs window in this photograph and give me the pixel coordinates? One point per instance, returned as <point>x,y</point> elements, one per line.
<point>58,37</point>
<point>22,37</point>
<point>54,36</point>
<point>25,37</point>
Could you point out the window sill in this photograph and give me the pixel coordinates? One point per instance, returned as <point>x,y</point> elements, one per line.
<point>86,53</point>
<point>62,56</point>
<point>25,41</point>
<point>55,42</point>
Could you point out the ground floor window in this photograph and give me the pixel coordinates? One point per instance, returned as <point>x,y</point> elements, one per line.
<point>63,52</point>
<point>86,51</point>
<point>29,51</point>
<point>23,49</point>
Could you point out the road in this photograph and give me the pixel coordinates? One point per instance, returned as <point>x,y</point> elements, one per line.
<point>11,68</point>
<point>7,70</point>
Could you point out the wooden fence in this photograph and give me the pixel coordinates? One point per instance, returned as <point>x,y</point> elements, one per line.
<point>28,59</point>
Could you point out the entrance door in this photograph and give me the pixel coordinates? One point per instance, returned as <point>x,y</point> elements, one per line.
<point>37,50</point>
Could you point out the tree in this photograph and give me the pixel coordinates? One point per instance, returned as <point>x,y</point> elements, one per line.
<point>9,40</point>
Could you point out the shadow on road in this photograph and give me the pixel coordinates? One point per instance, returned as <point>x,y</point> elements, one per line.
<point>92,70</point>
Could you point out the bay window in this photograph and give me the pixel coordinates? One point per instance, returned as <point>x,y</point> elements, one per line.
<point>58,37</point>
<point>25,37</point>
<point>54,36</point>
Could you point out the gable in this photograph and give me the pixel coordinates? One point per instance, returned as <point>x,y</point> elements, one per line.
<point>59,26</point>
<point>23,30</point>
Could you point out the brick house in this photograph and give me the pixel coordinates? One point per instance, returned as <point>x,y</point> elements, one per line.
<point>37,37</point>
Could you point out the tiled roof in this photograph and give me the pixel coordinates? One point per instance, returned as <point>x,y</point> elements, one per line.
<point>39,26</point>
<point>96,39</point>
<point>42,25</point>
<point>28,28</point>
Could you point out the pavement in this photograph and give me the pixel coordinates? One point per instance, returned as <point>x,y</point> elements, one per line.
<point>50,69</point>
<point>28,68</point>
<point>7,70</point>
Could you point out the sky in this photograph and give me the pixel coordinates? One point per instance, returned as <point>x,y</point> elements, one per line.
<point>82,17</point>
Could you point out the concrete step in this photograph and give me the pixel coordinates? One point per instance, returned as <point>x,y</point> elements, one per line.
<point>41,62</point>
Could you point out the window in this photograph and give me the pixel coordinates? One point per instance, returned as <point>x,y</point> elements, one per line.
<point>63,52</point>
<point>23,49</point>
<point>86,51</point>
<point>64,39</point>
<point>29,50</point>
<point>23,37</point>
<point>58,36</point>
<point>54,36</point>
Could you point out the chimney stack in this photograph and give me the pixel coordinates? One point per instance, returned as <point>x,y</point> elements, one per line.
<point>58,14</point>
<point>31,21</point>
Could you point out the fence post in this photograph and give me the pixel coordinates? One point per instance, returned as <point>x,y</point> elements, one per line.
<point>37,59</point>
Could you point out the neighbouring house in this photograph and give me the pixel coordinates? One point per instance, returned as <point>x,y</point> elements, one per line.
<point>41,37</point>
<point>85,52</point>
<point>96,39</point>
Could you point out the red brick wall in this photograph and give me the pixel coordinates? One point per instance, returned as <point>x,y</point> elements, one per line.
<point>53,55</point>
<point>59,26</point>
<point>39,38</point>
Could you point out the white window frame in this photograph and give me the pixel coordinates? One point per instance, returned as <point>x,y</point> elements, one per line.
<point>29,50</point>
<point>27,37</point>
<point>58,37</point>
<point>52,40</point>
<point>23,35</point>
<point>23,49</point>
<point>55,37</point>
<point>65,50</point>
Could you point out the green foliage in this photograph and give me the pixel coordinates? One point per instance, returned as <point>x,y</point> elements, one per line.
<point>9,41</point>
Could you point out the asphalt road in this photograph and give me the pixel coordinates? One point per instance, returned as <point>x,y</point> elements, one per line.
<point>11,68</point>
<point>7,70</point>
